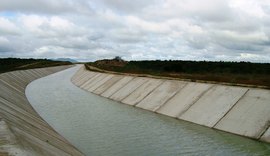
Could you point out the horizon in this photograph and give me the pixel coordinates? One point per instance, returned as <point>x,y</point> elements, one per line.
<point>76,61</point>
<point>84,30</point>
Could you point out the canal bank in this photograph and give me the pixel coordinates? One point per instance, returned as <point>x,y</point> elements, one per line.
<point>240,110</point>
<point>100,126</point>
<point>22,131</point>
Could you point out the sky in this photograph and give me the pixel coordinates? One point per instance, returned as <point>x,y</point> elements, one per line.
<point>88,30</point>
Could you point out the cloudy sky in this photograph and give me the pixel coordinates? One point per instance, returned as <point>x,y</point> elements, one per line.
<point>87,30</point>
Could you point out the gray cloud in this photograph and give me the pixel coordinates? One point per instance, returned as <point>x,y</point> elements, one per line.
<point>46,6</point>
<point>156,29</point>
<point>127,6</point>
<point>5,45</point>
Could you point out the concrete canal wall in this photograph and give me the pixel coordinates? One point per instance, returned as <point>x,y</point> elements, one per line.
<point>22,130</point>
<point>239,110</point>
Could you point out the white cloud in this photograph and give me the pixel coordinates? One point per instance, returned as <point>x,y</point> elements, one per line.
<point>48,27</point>
<point>7,27</point>
<point>253,57</point>
<point>250,7</point>
<point>155,29</point>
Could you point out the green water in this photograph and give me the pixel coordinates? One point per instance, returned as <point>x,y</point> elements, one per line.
<point>98,126</point>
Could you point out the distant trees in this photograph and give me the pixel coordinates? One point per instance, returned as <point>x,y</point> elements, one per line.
<point>188,67</point>
<point>10,64</point>
<point>118,58</point>
<point>231,72</point>
<point>201,67</point>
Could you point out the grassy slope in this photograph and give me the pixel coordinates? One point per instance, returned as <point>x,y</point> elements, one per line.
<point>229,72</point>
<point>11,64</point>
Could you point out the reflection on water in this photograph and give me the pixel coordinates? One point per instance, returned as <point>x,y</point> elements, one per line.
<point>98,126</point>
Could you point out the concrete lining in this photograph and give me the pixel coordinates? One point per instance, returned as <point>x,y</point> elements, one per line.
<point>95,81</point>
<point>10,95</point>
<point>36,72</point>
<point>34,135</point>
<point>107,84</point>
<point>101,82</point>
<point>30,74</point>
<point>17,117</point>
<point>4,84</point>
<point>184,99</point>
<point>161,94</point>
<point>266,136</point>
<point>78,75</point>
<point>213,105</point>
<point>128,89</point>
<point>81,78</point>
<point>10,80</point>
<point>85,78</point>
<point>18,75</point>
<point>36,144</point>
<point>23,114</point>
<point>141,92</point>
<point>118,85</point>
<point>12,89</point>
<point>9,143</point>
<point>250,117</point>
<point>89,81</point>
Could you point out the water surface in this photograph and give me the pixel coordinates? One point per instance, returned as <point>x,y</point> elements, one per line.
<point>99,126</point>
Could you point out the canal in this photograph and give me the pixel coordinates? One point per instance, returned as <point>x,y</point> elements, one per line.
<point>99,126</point>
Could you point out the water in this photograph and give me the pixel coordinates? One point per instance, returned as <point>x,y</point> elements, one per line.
<point>99,126</point>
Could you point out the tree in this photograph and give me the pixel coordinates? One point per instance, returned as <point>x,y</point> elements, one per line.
<point>118,58</point>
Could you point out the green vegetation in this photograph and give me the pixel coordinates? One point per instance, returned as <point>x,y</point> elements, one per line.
<point>11,64</point>
<point>228,72</point>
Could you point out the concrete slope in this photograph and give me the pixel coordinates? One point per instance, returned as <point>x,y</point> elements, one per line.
<point>239,110</point>
<point>160,95</point>
<point>251,111</point>
<point>116,86</point>
<point>128,89</point>
<point>266,136</point>
<point>22,130</point>
<point>183,100</point>
<point>213,105</point>
<point>105,86</point>
<point>141,92</point>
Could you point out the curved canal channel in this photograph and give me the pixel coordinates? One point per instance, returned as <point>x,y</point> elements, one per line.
<point>99,126</point>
